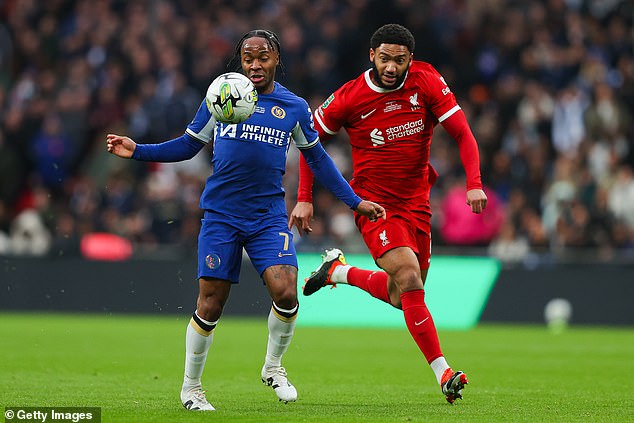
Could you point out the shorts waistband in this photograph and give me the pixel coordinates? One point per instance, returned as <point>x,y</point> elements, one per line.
<point>256,213</point>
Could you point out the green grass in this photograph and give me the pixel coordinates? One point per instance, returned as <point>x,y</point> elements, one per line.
<point>132,367</point>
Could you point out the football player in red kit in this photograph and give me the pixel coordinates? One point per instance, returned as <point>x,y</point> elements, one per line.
<point>389,113</point>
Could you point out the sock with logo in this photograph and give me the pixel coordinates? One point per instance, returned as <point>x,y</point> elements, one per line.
<point>420,323</point>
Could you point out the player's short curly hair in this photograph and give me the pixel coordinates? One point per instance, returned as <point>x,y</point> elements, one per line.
<point>271,38</point>
<point>393,34</point>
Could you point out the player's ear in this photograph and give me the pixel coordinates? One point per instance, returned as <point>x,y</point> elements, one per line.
<point>371,55</point>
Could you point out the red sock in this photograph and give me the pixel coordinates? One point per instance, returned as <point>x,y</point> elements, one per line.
<point>420,324</point>
<point>372,282</point>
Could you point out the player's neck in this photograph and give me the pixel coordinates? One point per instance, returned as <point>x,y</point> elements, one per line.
<point>268,89</point>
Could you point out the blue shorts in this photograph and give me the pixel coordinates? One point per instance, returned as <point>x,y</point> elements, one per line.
<point>266,240</point>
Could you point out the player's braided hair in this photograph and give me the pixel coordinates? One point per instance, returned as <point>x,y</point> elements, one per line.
<point>271,38</point>
<point>393,34</point>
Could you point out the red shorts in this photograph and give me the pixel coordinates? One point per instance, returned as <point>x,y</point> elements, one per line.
<point>402,228</point>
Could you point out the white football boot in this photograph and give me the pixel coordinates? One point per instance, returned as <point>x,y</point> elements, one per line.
<point>194,399</point>
<point>275,377</point>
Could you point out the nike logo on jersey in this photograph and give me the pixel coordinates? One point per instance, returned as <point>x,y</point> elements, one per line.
<point>368,114</point>
<point>284,254</point>
<point>421,322</point>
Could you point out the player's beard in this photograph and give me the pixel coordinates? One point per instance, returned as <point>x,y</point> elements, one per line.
<point>377,79</point>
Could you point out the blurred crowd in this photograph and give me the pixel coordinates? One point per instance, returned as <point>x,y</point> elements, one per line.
<point>547,86</point>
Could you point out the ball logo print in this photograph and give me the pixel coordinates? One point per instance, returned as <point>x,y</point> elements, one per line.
<point>225,100</point>
<point>231,98</point>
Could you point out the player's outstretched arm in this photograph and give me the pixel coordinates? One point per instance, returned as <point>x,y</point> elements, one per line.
<point>120,145</point>
<point>301,216</point>
<point>327,173</point>
<point>178,149</point>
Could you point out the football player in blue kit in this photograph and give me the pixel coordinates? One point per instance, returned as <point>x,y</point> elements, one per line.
<point>244,207</point>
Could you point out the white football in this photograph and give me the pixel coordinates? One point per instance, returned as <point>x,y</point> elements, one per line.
<point>231,98</point>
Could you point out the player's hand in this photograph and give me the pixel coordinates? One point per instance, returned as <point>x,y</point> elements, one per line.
<point>372,211</point>
<point>477,199</point>
<point>300,217</point>
<point>120,146</point>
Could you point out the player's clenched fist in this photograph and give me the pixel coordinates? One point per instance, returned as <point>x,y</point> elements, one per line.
<point>477,199</point>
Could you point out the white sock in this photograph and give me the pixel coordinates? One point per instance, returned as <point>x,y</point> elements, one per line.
<point>340,274</point>
<point>439,366</point>
<point>196,348</point>
<point>281,330</point>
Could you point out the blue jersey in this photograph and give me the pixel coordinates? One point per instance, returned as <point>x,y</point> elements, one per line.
<point>249,158</point>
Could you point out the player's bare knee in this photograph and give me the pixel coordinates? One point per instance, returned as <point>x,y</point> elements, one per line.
<point>408,278</point>
<point>287,299</point>
<point>209,307</point>
<point>212,297</point>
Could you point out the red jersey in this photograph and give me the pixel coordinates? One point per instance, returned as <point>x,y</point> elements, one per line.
<point>390,132</point>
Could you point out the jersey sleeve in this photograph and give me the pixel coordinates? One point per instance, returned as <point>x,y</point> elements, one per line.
<point>331,115</point>
<point>439,97</point>
<point>458,128</point>
<point>203,125</point>
<point>304,134</point>
<point>329,118</point>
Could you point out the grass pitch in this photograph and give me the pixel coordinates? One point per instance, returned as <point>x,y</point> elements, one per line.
<point>131,367</point>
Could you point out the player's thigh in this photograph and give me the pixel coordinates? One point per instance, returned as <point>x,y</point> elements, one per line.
<point>219,248</point>
<point>383,236</point>
<point>416,254</point>
<point>423,243</point>
<point>281,282</point>
<point>270,243</point>
<point>397,260</point>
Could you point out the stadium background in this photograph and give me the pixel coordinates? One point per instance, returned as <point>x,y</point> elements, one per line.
<point>547,86</point>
